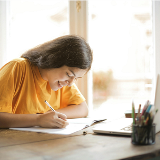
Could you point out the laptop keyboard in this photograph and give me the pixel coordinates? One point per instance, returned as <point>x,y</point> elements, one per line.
<point>127,128</point>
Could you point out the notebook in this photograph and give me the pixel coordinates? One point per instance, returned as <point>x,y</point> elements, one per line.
<point>122,126</point>
<point>75,125</point>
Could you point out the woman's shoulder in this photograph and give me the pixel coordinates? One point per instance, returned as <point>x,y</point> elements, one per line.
<point>16,63</point>
<point>22,62</point>
<point>19,60</point>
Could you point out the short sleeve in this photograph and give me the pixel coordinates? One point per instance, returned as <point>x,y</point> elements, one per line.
<point>10,79</point>
<point>71,95</point>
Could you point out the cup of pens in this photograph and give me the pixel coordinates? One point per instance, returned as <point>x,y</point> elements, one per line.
<point>143,128</point>
<point>143,135</point>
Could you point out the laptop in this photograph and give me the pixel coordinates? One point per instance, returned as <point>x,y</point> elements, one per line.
<point>123,126</point>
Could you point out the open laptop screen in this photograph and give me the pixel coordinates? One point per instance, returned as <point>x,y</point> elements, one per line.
<point>157,104</point>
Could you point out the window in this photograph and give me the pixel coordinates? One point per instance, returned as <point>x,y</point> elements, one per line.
<point>35,22</point>
<point>120,33</point>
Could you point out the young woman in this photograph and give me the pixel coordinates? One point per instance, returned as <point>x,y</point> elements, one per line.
<point>47,72</point>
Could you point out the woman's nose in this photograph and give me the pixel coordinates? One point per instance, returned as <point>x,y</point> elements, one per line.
<point>70,81</point>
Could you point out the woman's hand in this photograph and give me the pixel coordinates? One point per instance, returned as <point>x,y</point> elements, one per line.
<point>52,120</point>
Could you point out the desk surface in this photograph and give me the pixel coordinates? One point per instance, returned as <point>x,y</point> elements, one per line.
<point>77,146</point>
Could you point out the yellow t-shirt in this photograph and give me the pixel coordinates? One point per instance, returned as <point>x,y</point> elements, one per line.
<point>23,91</point>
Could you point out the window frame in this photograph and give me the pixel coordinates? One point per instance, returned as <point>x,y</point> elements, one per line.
<point>156,39</point>
<point>78,25</point>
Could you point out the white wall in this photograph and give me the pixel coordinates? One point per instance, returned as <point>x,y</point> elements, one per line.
<point>4,25</point>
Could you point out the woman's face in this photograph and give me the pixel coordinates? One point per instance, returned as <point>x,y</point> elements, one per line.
<point>64,76</point>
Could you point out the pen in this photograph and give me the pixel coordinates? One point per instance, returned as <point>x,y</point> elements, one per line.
<point>49,106</point>
<point>145,107</point>
<point>147,111</point>
<point>133,113</point>
<point>149,108</point>
<point>138,115</point>
<point>133,116</point>
<point>139,109</point>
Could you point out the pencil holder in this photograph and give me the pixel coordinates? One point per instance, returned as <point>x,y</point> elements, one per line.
<point>143,135</point>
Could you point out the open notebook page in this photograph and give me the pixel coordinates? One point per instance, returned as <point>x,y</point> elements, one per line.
<point>74,126</point>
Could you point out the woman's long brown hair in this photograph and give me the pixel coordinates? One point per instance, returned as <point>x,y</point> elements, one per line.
<point>69,50</point>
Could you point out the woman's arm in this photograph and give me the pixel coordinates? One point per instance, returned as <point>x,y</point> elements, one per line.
<point>52,119</point>
<point>75,111</point>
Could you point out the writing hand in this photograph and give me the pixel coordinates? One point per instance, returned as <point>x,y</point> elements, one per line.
<point>52,120</point>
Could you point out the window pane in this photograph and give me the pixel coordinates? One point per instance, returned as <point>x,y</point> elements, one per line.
<point>120,34</point>
<point>35,22</point>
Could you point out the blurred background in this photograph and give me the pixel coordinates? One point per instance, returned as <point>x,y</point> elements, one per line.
<point>119,33</point>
